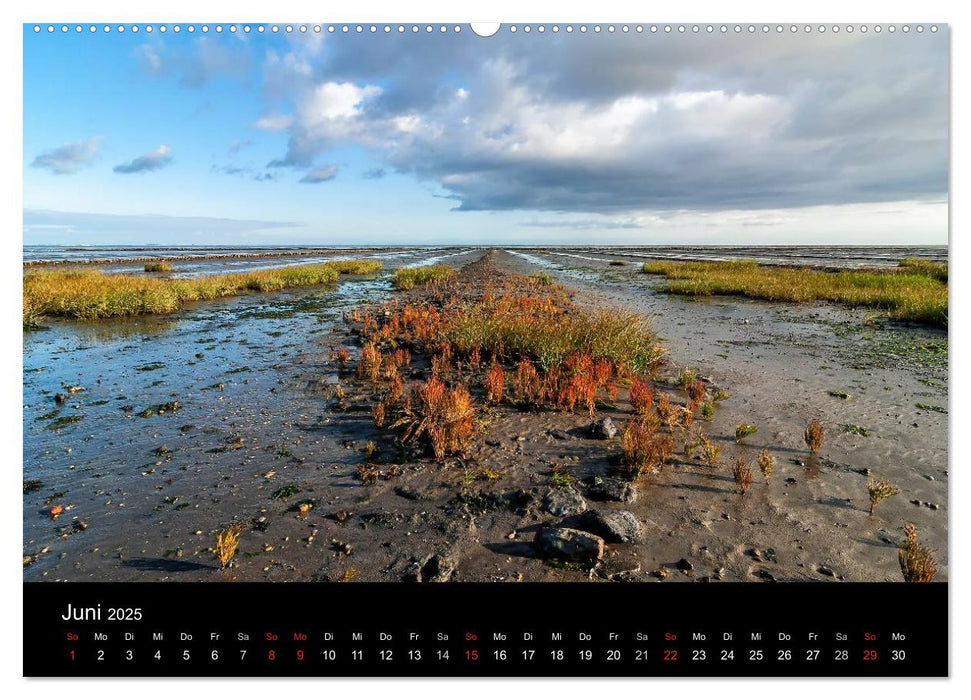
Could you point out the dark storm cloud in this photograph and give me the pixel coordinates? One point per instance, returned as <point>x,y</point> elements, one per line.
<point>626,122</point>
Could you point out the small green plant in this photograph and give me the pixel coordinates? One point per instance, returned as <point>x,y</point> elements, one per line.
<point>686,377</point>
<point>708,409</point>
<point>931,407</point>
<point>916,561</point>
<point>766,463</point>
<point>879,491</point>
<point>856,430</point>
<point>814,435</point>
<point>743,430</point>
<point>742,474</point>
<point>711,451</point>
<point>286,491</point>
<point>370,449</point>
<point>544,279</point>
<point>226,543</point>
<point>837,393</point>
<point>561,478</point>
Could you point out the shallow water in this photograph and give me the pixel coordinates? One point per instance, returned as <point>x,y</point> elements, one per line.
<point>230,364</point>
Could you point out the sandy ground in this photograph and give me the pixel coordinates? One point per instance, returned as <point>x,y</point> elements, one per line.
<point>257,433</point>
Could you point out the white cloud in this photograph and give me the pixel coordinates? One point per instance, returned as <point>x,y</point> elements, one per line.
<point>153,160</point>
<point>318,175</point>
<point>274,122</point>
<point>68,158</point>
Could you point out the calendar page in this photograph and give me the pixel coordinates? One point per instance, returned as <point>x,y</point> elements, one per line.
<point>472,350</point>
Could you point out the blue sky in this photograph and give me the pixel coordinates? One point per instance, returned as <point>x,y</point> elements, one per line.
<point>426,139</point>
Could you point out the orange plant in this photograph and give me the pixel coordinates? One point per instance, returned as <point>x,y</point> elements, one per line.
<point>697,391</point>
<point>641,396</point>
<point>495,384</point>
<point>369,365</point>
<point>526,385</point>
<point>644,447</point>
<point>444,417</point>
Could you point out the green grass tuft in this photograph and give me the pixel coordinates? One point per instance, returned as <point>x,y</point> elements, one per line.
<point>92,294</point>
<point>915,291</point>
<point>407,278</point>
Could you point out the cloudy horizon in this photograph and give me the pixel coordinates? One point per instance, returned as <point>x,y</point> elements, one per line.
<point>451,138</point>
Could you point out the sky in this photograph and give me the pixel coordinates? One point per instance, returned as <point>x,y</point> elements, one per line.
<point>451,138</point>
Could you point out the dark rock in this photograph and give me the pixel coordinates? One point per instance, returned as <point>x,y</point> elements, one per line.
<point>603,429</point>
<point>59,399</point>
<point>826,571</point>
<point>765,575</point>
<point>559,434</point>
<point>685,567</point>
<point>438,569</point>
<point>610,488</point>
<point>564,501</point>
<point>569,544</point>
<point>612,525</point>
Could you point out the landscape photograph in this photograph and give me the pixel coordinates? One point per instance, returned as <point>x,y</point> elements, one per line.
<point>402,303</point>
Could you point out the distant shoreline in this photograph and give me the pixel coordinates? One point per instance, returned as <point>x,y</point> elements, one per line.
<point>316,252</point>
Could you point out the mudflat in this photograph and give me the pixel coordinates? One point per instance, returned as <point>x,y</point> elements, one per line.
<point>171,429</point>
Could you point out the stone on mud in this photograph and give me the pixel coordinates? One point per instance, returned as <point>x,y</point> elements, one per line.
<point>564,501</point>
<point>603,429</point>
<point>610,488</point>
<point>612,525</point>
<point>569,544</point>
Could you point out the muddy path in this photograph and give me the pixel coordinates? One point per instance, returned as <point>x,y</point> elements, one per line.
<point>257,435</point>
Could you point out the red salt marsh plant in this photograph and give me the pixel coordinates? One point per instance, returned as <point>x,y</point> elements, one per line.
<point>645,448</point>
<point>369,366</point>
<point>342,355</point>
<point>641,396</point>
<point>526,383</point>
<point>697,391</point>
<point>495,384</point>
<point>442,417</point>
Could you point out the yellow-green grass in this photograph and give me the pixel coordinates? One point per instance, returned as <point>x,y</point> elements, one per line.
<point>911,292</point>
<point>88,294</point>
<point>926,267</point>
<point>553,333</point>
<point>410,277</point>
<point>158,267</point>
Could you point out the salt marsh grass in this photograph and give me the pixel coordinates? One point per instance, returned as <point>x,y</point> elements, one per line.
<point>93,294</point>
<point>914,291</point>
<point>410,277</point>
